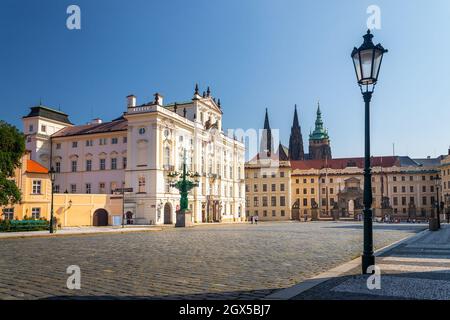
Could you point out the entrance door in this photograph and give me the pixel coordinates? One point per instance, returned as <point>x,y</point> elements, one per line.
<point>100,218</point>
<point>167,213</point>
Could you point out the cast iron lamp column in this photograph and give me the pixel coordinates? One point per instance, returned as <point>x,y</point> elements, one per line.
<point>437,181</point>
<point>367,61</point>
<point>52,178</point>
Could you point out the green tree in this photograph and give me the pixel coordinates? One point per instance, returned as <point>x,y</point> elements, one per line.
<point>12,148</point>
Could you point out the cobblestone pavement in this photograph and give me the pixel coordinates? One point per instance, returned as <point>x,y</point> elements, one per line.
<point>205,262</point>
<point>417,269</point>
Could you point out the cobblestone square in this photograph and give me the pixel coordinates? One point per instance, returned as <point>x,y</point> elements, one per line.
<point>240,261</point>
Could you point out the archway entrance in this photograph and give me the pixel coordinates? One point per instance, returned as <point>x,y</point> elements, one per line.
<point>167,213</point>
<point>296,210</point>
<point>100,218</point>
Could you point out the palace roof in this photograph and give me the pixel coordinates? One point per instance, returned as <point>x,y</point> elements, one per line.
<point>119,124</point>
<point>46,112</point>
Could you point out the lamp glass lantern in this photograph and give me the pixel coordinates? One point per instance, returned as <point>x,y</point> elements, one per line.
<point>367,60</point>
<point>52,174</point>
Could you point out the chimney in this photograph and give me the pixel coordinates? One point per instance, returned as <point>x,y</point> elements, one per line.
<point>158,99</point>
<point>96,121</point>
<point>131,101</point>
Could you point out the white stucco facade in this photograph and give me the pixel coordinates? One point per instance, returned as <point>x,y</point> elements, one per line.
<point>140,149</point>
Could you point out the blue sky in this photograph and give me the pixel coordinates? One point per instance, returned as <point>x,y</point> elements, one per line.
<point>253,53</point>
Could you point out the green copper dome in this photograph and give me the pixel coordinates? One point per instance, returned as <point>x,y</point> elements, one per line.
<point>319,132</point>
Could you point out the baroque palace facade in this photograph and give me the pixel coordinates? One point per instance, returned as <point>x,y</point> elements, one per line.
<point>285,183</point>
<point>141,150</point>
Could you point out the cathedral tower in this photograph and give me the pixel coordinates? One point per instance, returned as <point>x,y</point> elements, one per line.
<point>319,141</point>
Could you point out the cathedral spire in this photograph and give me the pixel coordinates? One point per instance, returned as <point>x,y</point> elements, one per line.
<point>296,151</point>
<point>266,138</point>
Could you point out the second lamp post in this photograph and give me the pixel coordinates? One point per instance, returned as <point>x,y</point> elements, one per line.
<point>367,61</point>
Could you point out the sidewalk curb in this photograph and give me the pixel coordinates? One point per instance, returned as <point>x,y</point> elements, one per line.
<point>295,290</point>
<point>56,234</point>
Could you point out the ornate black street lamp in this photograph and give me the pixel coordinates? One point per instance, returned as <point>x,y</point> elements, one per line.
<point>437,181</point>
<point>187,181</point>
<point>367,61</point>
<point>52,178</point>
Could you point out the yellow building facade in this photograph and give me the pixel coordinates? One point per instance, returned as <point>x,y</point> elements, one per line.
<point>70,210</point>
<point>401,187</point>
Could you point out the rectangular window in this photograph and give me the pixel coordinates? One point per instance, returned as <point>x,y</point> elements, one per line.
<point>264,187</point>
<point>312,190</point>
<point>114,140</point>
<point>58,167</point>
<point>43,128</point>
<point>273,213</point>
<point>255,202</point>
<point>113,163</point>
<point>282,201</point>
<point>282,174</point>
<point>424,201</point>
<point>35,213</point>
<point>411,189</point>
<point>56,188</point>
<point>74,144</point>
<point>30,128</point>
<point>265,213</point>
<point>88,188</point>
<point>8,213</point>
<point>102,164</point>
<point>101,187</point>
<point>282,187</point>
<point>74,166</point>
<point>102,141</point>
<point>255,188</point>
<point>395,189</point>
<point>305,202</point>
<point>273,201</point>
<point>395,201</point>
<point>124,162</point>
<point>73,188</point>
<point>89,143</point>
<point>264,201</point>
<point>282,213</point>
<point>274,187</point>
<point>89,165</point>
<point>37,184</point>
<point>124,140</point>
<point>403,201</point>
<point>58,146</point>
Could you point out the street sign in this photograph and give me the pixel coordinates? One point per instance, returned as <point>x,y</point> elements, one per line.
<point>123,190</point>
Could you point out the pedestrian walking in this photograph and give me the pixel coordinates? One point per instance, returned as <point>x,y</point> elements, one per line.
<point>256,219</point>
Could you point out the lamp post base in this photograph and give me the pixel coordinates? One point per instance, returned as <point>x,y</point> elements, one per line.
<point>433,224</point>
<point>367,261</point>
<point>184,219</point>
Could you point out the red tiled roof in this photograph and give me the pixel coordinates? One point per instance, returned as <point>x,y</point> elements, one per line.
<point>343,163</point>
<point>34,167</point>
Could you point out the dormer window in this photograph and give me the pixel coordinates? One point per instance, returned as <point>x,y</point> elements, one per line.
<point>43,128</point>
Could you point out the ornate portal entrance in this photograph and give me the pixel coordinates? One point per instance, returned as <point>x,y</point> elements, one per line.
<point>167,213</point>
<point>350,200</point>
